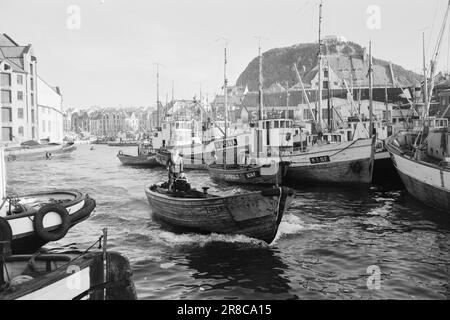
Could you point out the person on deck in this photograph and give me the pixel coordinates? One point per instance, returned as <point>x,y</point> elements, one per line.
<point>175,167</point>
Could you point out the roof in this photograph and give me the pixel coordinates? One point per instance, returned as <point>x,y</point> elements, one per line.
<point>13,53</point>
<point>353,68</point>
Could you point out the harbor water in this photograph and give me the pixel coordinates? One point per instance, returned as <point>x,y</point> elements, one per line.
<point>328,244</point>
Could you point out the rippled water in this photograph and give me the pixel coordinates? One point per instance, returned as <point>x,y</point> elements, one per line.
<point>325,244</point>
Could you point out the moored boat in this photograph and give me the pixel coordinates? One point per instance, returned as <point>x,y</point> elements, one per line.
<point>272,174</point>
<point>35,151</point>
<point>345,163</point>
<point>31,221</point>
<point>253,214</point>
<point>74,275</point>
<point>139,160</point>
<point>425,173</point>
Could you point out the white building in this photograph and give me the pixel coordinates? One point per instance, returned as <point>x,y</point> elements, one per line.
<point>50,113</point>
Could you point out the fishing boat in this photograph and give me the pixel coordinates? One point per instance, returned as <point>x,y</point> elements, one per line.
<point>253,214</point>
<point>425,172</point>
<point>33,150</point>
<point>73,275</point>
<point>422,157</point>
<point>146,157</point>
<point>124,143</point>
<point>272,174</point>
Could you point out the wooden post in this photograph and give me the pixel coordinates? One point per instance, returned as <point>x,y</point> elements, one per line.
<point>105,261</point>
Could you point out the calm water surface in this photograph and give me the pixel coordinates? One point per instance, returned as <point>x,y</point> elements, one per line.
<point>325,244</point>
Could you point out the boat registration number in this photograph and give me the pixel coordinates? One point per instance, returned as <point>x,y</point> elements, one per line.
<point>226,143</point>
<point>322,159</point>
<point>251,175</point>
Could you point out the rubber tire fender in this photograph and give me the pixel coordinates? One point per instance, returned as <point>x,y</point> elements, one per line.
<point>57,234</point>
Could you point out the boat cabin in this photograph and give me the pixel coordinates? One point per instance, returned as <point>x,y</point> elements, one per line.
<point>272,136</point>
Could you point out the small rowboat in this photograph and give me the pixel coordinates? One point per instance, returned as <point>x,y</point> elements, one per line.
<point>31,221</point>
<point>272,174</point>
<point>144,160</point>
<point>253,214</point>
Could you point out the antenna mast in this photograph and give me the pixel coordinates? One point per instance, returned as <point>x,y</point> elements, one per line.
<point>370,91</point>
<point>225,89</point>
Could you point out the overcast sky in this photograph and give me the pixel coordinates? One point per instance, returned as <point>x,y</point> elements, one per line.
<point>109,60</point>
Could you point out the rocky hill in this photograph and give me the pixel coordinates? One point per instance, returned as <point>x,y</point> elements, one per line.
<point>278,64</point>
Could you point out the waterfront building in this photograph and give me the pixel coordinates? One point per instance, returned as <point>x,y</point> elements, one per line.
<point>50,113</point>
<point>18,86</point>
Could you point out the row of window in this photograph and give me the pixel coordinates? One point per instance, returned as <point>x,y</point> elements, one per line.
<point>6,96</point>
<point>7,114</point>
<point>5,80</point>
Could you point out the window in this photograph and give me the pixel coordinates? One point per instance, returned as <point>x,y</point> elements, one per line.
<point>6,96</point>
<point>31,84</point>
<point>325,74</point>
<point>20,131</point>
<point>32,99</point>
<point>43,125</point>
<point>32,116</point>
<point>20,79</point>
<point>276,124</point>
<point>49,126</point>
<point>6,114</point>
<point>20,95</point>
<point>6,134</point>
<point>31,69</point>
<point>5,79</point>
<point>20,113</point>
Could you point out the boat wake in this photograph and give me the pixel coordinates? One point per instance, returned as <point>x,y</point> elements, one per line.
<point>292,225</point>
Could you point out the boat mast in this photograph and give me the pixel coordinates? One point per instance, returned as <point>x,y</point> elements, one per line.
<point>370,91</point>
<point>425,90</point>
<point>260,84</point>
<point>319,102</point>
<point>157,96</point>
<point>225,88</point>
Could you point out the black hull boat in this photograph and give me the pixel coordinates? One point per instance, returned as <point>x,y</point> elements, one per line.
<point>31,221</point>
<point>146,160</point>
<point>66,276</point>
<point>253,214</point>
<point>272,174</point>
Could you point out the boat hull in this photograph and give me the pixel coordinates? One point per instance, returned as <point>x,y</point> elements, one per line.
<point>427,183</point>
<point>254,175</point>
<point>26,240</point>
<point>138,161</point>
<point>349,163</point>
<point>39,153</point>
<point>73,276</point>
<point>252,214</point>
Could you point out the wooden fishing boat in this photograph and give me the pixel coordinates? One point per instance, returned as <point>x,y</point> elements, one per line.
<point>425,174</point>
<point>124,144</point>
<point>253,214</point>
<point>148,160</point>
<point>65,276</point>
<point>31,221</point>
<point>272,174</point>
<point>345,163</point>
<point>196,162</point>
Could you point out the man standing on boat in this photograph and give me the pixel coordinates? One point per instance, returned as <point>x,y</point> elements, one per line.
<point>175,167</point>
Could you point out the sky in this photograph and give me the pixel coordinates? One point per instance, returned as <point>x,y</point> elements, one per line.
<point>104,52</point>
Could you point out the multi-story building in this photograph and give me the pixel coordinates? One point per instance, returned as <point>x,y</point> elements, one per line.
<point>18,86</point>
<point>50,114</point>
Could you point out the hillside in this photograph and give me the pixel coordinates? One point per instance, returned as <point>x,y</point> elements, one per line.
<point>277,64</point>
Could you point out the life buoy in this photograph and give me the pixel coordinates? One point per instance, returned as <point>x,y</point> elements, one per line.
<point>57,234</point>
<point>120,153</point>
<point>5,231</point>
